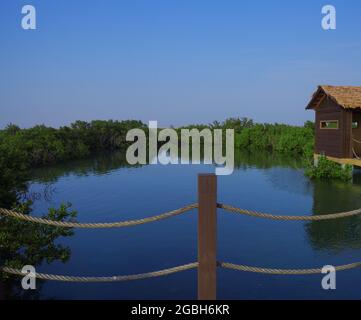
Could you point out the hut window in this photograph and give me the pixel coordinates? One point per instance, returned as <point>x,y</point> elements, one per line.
<point>354,124</point>
<point>329,124</point>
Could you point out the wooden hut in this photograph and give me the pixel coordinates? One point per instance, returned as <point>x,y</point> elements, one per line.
<point>338,123</point>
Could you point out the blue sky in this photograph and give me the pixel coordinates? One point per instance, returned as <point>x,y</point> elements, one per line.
<point>174,61</point>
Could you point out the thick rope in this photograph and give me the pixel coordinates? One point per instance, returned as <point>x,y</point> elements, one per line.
<point>170,214</point>
<point>243,268</point>
<point>185,267</point>
<point>294,218</point>
<point>140,276</point>
<point>64,224</point>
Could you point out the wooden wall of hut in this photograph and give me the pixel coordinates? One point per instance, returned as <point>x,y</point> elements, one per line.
<point>333,142</point>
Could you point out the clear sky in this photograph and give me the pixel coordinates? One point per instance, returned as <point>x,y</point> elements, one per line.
<point>175,61</point>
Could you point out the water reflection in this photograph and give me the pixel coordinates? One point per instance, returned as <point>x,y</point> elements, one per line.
<point>265,160</point>
<point>100,164</point>
<point>108,162</point>
<point>332,197</point>
<point>31,244</point>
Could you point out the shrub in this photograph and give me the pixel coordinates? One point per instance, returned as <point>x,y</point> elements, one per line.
<point>327,169</point>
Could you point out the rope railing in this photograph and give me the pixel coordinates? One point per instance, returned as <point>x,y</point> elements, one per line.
<point>207,238</point>
<point>133,277</point>
<point>66,224</point>
<point>244,268</point>
<point>290,218</point>
<point>169,271</point>
<point>169,214</point>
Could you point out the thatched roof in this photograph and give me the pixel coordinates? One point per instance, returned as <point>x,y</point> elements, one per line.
<point>347,97</point>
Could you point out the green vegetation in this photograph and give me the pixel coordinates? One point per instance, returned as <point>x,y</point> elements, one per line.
<point>280,138</point>
<point>23,243</point>
<point>35,243</point>
<point>43,145</point>
<point>270,137</point>
<point>329,170</point>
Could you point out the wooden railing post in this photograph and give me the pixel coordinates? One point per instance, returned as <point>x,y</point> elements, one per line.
<point>207,237</point>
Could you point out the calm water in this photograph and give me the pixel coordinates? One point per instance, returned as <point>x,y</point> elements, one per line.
<point>102,189</point>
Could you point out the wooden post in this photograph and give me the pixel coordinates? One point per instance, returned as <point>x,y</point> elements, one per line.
<point>207,237</point>
<point>315,160</point>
